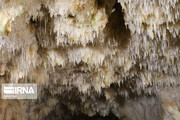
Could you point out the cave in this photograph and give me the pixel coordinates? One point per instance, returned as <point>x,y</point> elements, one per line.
<point>90,59</point>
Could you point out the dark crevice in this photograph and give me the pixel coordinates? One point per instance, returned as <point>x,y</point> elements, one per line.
<point>116,28</point>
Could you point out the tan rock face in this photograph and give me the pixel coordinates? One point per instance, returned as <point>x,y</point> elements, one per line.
<point>92,57</point>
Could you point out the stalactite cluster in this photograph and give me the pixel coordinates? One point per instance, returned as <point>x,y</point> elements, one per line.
<point>92,59</point>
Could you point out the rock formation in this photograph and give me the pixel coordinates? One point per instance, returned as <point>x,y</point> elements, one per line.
<point>92,59</point>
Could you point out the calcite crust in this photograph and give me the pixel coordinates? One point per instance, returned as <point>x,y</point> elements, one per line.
<point>96,50</point>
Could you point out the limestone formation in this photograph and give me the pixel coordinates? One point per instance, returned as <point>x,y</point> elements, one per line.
<point>92,59</point>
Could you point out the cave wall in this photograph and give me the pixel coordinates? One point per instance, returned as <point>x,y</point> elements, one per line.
<point>92,58</point>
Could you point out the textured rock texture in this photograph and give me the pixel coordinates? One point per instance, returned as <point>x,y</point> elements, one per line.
<point>92,59</point>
